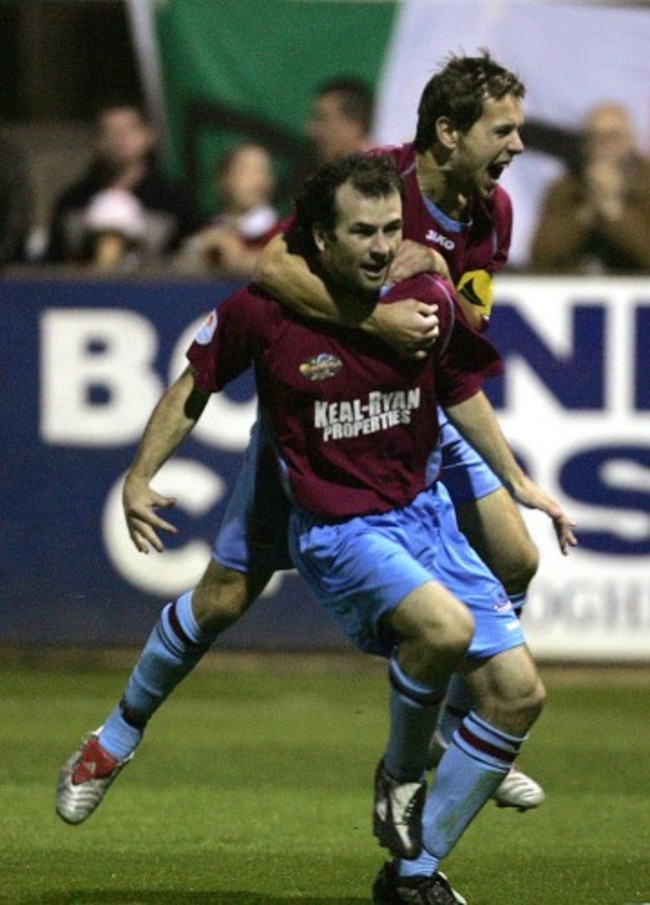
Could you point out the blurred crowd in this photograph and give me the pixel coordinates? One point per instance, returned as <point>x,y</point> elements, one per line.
<point>596,217</point>
<point>125,213</point>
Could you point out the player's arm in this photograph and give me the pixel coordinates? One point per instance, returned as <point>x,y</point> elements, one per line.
<point>173,418</point>
<point>476,421</point>
<point>409,326</point>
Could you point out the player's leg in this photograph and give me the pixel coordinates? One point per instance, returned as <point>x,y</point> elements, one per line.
<point>495,528</point>
<point>467,776</point>
<point>176,644</point>
<point>251,545</point>
<point>509,697</point>
<point>517,790</point>
<point>434,630</point>
<point>366,574</point>
<point>186,629</point>
<point>493,524</point>
<point>487,514</point>
<point>508,690</point>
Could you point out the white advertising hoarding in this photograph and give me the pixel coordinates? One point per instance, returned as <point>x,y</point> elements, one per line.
<point>577,410</point>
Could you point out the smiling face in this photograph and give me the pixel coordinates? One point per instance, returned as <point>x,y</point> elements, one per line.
<point>358,251</point>
<point>481,154</point>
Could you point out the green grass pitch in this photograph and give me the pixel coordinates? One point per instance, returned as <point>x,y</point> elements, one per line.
<point>253,787</point>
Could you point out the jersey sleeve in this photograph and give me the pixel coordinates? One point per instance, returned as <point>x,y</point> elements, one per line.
<point>464,361</point>
<point>225,344</point>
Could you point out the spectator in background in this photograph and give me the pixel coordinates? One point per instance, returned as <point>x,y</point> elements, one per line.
<point>123,211</point>
<point>15,202</point>
<point>245,184</point>
<point>339,123</point>
<point>341,118</point>
<point>597,219</point>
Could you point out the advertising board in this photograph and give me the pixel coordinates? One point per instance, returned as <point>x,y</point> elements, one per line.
<point>84,362</point>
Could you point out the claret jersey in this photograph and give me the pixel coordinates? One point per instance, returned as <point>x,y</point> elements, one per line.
<point>480,243</point>
<point>353,424</point>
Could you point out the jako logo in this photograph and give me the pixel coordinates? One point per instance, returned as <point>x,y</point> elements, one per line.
<point>438,239</point>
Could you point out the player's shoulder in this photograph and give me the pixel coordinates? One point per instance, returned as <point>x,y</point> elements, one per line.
<point>250,301</point>
<point>251,294</point>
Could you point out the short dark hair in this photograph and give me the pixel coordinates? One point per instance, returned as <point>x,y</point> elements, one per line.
<point>372,175</point>
<point>355,97</point>
<point>459,91</point>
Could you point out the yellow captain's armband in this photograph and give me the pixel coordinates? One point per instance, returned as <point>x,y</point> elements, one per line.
<point>476,287</point>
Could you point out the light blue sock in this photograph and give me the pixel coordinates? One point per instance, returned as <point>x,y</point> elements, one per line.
<point>173,649</point>
<point>413,715</point>
<point>471,769</point>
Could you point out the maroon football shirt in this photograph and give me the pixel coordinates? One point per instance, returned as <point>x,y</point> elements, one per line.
<point>481,242</point>
<point>353,423</point>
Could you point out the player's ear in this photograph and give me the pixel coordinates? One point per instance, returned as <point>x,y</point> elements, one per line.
<point>318,234</point>
<point>446,132</point>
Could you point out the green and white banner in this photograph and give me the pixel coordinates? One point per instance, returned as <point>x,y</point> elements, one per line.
<point>218,71</point>
<point>246,69</point>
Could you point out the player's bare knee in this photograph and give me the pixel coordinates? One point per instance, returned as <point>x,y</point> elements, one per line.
<point>536,700</point>
<point>529,563</point>
<point>221,597</point>
<point>508,690</point>
<point>518,571</point>
<point>462,630</point>
<point>451,632</point>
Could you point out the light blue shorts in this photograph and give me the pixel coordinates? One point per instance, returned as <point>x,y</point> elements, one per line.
<point>253,536</point>
<point>361,569</point>
<point>465,474</point>
<point>254,531</point>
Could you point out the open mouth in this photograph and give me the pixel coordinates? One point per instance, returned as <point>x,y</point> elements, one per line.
<point>495,170</point>
<point>374,269</point>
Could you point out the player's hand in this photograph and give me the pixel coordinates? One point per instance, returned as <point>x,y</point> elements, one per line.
<point>140,503</point>
<point>413,258</point>
<point>533,497</point>
<point>409,326</point>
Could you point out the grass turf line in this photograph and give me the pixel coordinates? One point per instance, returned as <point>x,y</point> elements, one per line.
<point>253,787</point>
